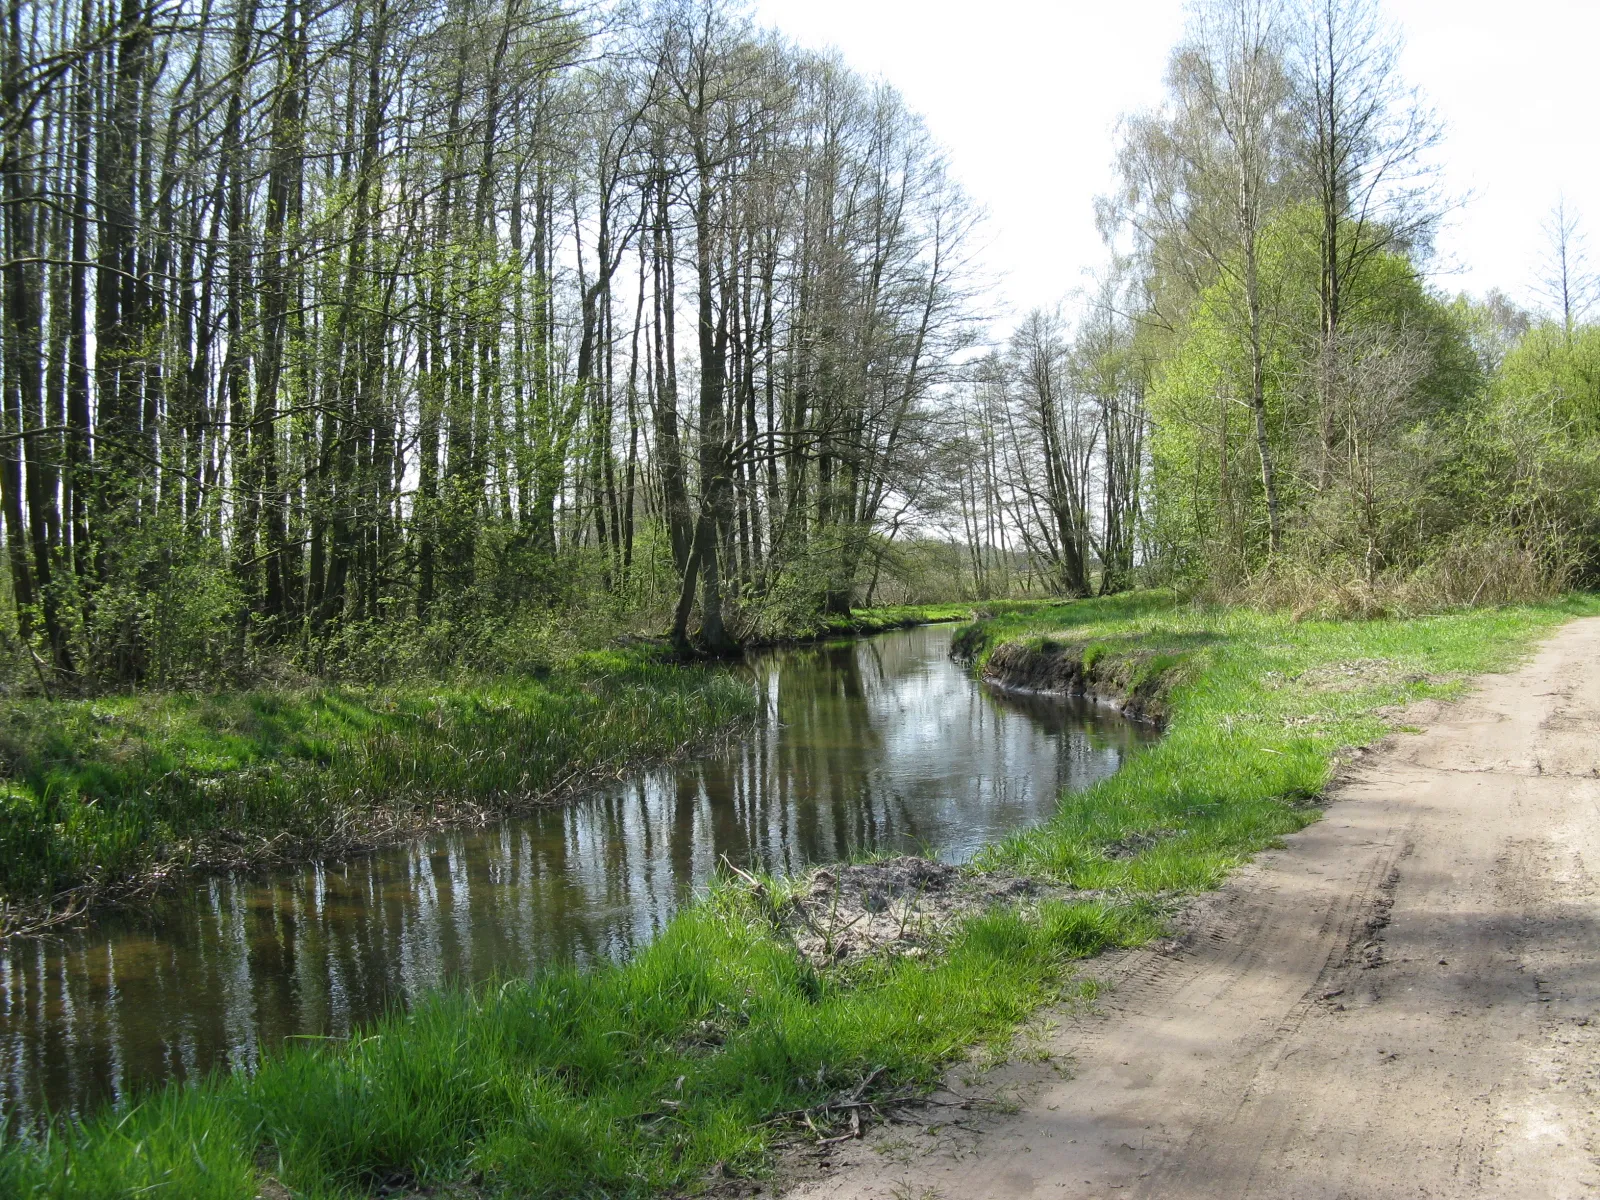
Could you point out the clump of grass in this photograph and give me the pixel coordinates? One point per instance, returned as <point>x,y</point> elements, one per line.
<point>107,790</point>
<point>626,1080</point>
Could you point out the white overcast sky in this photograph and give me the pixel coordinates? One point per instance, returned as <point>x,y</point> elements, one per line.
<point>1025,94</point>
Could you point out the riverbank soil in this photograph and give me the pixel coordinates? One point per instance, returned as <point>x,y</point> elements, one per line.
<point>1403,1001</point>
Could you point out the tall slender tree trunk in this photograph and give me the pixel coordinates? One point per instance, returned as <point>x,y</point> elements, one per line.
<point>1258,405</point>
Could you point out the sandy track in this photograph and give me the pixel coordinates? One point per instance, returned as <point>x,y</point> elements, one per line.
<point>1403,1002</point>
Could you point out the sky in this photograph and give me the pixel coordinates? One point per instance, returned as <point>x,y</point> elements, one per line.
<point>1026,94</point>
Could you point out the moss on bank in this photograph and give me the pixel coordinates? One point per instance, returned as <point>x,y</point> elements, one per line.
<point>639,1079</point>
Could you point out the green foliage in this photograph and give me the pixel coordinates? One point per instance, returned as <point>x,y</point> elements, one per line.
<point>1559,373</point>
<point>1530,460</point>
<point>1435,455</point>
<point>1349,428</point>
<point>104,790</point>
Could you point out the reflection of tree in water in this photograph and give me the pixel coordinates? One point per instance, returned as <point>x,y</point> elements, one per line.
<point>824,749</point>
<point>873,744</point>
<point>1085,729</point>
<point>1053,714</point>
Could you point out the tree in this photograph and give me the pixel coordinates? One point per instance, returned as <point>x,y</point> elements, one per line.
<point>1053,441</point>
<point>1201,179</point>
<point>1111,370</point>
<point>1364,145</point>
<point>1565,278</point>
<point>316,325</point>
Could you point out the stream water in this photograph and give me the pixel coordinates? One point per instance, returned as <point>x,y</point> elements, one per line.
<point>878,744</point>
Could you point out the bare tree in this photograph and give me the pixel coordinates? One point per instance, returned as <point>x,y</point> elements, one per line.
<point>1110,372</point>
<point>1365,145</point>
<point>1565,278</point>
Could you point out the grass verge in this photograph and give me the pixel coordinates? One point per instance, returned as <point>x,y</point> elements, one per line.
<point>1259,709</point>
<point>116,791</point>
<point>640,1079</point>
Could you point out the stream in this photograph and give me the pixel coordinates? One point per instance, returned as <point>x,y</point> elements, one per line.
<point>881,744</point>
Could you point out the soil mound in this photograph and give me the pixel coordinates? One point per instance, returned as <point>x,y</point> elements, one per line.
<point>899,906</point>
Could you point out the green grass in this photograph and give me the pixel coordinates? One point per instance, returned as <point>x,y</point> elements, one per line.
<point>619,1081</point>
<point>643,1078</point>
<point>863,621</point>
<point>106,790</point>
<point>1262,706</point>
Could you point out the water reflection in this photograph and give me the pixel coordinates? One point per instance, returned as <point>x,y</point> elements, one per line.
<point>879,744</point>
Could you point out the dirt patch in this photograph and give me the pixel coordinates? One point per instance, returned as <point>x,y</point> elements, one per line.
<point>901,906</point>
<point>1355,675</point>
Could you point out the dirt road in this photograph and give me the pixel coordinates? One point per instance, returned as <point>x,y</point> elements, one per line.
<point>1403,1002</point>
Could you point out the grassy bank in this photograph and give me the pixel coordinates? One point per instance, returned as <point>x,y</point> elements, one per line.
<point>120,789</point>
<point>1258,709</point>
<point>698,1055</point>
<point>622,1081</point>
<point>864,621</point>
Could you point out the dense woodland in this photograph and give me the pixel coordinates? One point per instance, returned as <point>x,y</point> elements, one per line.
<point>381,335</point>
<point>1269,400</point>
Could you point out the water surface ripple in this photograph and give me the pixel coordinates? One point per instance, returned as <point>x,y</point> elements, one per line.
<point>879,744</point>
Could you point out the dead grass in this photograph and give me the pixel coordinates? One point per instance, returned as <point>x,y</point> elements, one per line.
<point>899,907</point>
<point>1476,569</point>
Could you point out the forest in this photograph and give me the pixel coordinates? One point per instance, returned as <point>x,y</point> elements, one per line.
<point>385,336</point>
